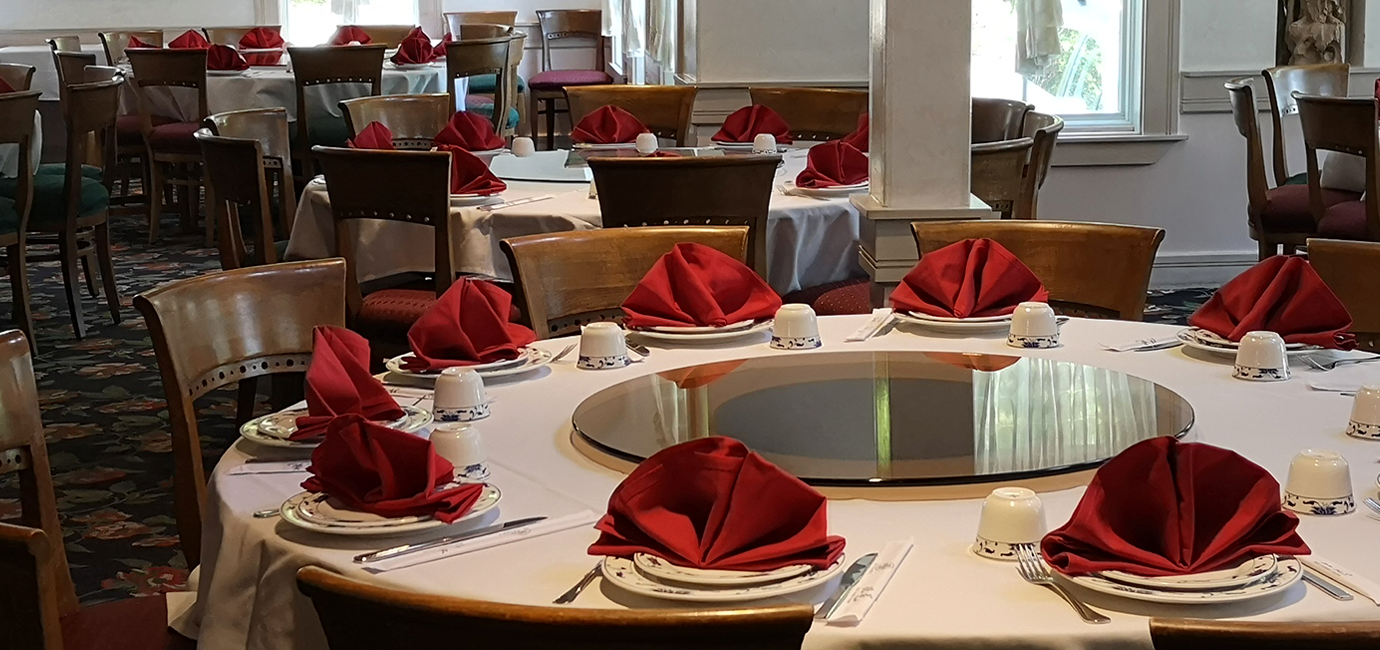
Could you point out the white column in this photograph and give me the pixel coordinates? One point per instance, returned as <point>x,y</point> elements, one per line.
<point>921,131</point>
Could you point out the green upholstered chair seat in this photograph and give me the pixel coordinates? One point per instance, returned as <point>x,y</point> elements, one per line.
<point>90,171</point>
<point>50,205</point>
<point>484,84</point>
<point>9,217</point>
<point>485,106</point>
<point>1296,179</point>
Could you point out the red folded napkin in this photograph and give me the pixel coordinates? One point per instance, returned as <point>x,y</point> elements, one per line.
<point>695,285</point>
<point>189,40</point>
<point>440,51</point>
<point>468,325</point>
<point>746,123</point>
<point>1282,294</point>
<point>1163,508</point>
<point>386,472</point>
<point>347,34</point>
<point>831,164</point>
<point>469,174</point>
<point>224,57</point>
<point>339,383</point>
<point>263,38</point>
<point>972,278</point>
<point>374,136</point>
<point>5,87</point>
<point>712,504</point>
<point>415,48</point>
<point>471,132</point>
<point>608,125</point>
<point>135,42</point>
<point>859,137</point>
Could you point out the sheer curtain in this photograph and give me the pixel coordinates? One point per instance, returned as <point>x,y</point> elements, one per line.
<point>661,32</point>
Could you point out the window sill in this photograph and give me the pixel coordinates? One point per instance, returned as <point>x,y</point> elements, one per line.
<point>1106,150</point>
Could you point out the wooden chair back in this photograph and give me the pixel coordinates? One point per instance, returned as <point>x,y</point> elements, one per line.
<point>580,25</point>
<point>1345,125</point>
<point>168,68</point>
<point>217,329</point>
<point>1207,634</point>
<point>17,128</point>
<point>234,169</point>
<point>358,615</point>
<point>1099,270</point>
<point>315,66</point>
<point>1244,112</point>
<point>414,119</point>
<point>467,58</point>
<point>664,109</point>
<point>1044,128</point>
<point>998,175</point>
<point>406,186</point>
<point>1281,82</point>
<point>270,127</point>
<point>115,43</point>
<point>456,20</point>
<point>1348,268</point>
<point>90,115</point>
<point>995,120</point>
<point>472,31</point>
<point>232,35</point>
<point>724,191</point>
<point>814,113</point>
<point>17,75</point>
<point>65,43</point>
<point>70,67</point>
<point>386,35</point>
<point>569,279</point>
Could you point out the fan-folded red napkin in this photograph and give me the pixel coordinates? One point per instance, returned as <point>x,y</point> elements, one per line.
<point>386,472</point>
<point>746,123</point>
<point>972,278</point>
<point>374,136</point>
<point>415,48</point>
<point>468,325</point>
<point>1282,294</point>
<point>471,132</point>
<point>136,43</point>
<point>859,137</point>
<point>1163,507</point>
<point>339,383</point>
<point>189,40</point>
<point>5,87</point>
<point>347,34</point>
<point>224,57</point>
<point>712,504</point>
<point>440,51</point>
<point>263,38</point>
<point>696,285</point>
<point>608,125</point>
<point>831,164</point>
<point>469,174</point>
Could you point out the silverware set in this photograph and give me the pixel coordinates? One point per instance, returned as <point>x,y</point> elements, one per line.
<point>571,594</point>
<point>1034,570</point>
<point>1324,366</point>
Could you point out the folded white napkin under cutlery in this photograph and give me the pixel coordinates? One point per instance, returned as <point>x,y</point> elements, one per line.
<point>1357,583</point>
<point>861,597</point>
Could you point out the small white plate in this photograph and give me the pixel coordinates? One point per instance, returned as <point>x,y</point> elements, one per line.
<point>225,73</point>
<point>530,359</point>
<point>951,319</point>
<point>623,573</point>
<point>1238,576</point>
<point>826,192</point>
<point>1214,344</point>
<point>611,145</point>
<point>661,569</point>
<point>733,145</point>
<point>273,430</point>
<point>318,512</point>
<point>683,329</point>
<point>956,325</point>
<point>712,337</point>
<point>1287,573</point>
<point>465,200</point>
<point>410,66</point>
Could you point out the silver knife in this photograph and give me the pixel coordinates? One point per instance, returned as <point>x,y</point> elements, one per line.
<point>850,577</point>
<point>1325,585</point>
<point>406,549</point>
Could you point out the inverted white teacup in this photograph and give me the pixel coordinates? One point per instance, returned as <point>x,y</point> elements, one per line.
<point>1011,516</point>
<point>460,396</point>
<point>764,143</point>
<point>1260,356</point>
<point>523,147</point>
<point>602,346</point>
<point>646,143</point>
<point>1319,483</point>
<point>463,446</point>
<point>1365,413</point>
<point>1033,325</point>
<point>795,328</point>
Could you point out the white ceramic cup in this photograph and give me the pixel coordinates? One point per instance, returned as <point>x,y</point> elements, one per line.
<point>796,328</point>
<point>1260,356</point>
<point>1033,325</point>
<point>764,143</point>
<point>1010,516</point>
<point>1319,483</point>
<point>523,147</point>
<point>462,445</point>
<point>602,346</point>
<point>1365,413</point>
<point>460,396</point>
<point>646,143</point>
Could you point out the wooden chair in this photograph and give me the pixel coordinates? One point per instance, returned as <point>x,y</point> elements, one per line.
<point>235,171</point>
<point>814,113</point>
<point>482,56</point>
<point>358,615</point>
<point>414,119</point>
<point>1348,268</point>
<point>1343,125</point>
<point>483,88</point>
<point>71,68</point>
<point>724,191</point>
<point>402,186</point>
<point>18,76</point>
<point>995,120</point>
<point>548,87</point>
<point>1097,270</point>
<point>386,35</point>
<point>232,35</point>
<point>316,66</point>
<point>174,158</point>
<point>16,127</point>
<point>115,43</point>
<point>568,279</point>
<point>270,127</point>
<point>1204,634</point>
<point>71,43</point>
<point>129,129</point>
<point>231,327</point>
<point>1281,82</point>
<point>457,20</point>
<point>664,109</point>
<point>998,176</point>
<point>1044,129</point>
<point>471,31</point>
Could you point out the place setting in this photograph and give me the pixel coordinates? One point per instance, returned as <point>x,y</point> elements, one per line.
<point>696,295</point>
<point>833,170</point>
<point>756,129</point>
<point>472,144</point>
<point>607,127</point>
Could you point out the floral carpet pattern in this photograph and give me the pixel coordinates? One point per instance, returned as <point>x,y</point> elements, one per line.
<point>107,422</point>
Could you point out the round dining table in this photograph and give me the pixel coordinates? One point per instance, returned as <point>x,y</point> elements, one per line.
<point>941,596</point>
<point>810,241</point>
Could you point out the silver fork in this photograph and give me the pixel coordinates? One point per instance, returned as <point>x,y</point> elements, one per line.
<point>1319,365</point>
<point>570,595</point>
<point>1034,570</point>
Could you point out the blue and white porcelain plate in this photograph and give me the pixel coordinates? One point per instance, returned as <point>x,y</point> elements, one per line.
<point>623,573</point>
<point>716,336</point>
<point>661,569</point>
<point>1237,576</point>
<point>957,325</point>
<point>318,512</point>
<point>528,359</point>
<point>1287,572</point>
<point>1200,339</point>
<point>275,429</point>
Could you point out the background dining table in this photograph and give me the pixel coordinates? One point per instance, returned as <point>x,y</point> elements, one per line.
<point>942,596</point>
<point>9,153</point>
<point>810,241</point>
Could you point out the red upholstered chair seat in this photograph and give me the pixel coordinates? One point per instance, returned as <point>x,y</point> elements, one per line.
<point>129,624</point>
<point>129,129</point>
<point>1286,207</point>
<point>175,137</point>
<point>558,79</point>
<point>1346,220</point>
<point>393,310</point>
<point>836,298</point>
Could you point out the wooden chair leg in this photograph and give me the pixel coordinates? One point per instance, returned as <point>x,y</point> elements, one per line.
<point>88,270</point>
<point>188,196</point>
<point>1267,249</point>
<point>19,292</point>
<point>67,251</point>
<point>210,220</point>
<point>244,402</point>
<point>286,389</point>
<point>154,189</point>
<point>112,293</point>
<point>550,125</point>
<point>533,114</point>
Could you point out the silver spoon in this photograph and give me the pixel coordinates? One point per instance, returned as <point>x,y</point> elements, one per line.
<point>574,592</point>
<point>267,514</point>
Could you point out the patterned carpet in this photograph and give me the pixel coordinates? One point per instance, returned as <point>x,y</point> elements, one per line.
<point>107,424</point>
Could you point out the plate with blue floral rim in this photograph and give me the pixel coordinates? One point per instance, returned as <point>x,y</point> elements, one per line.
<point>956,325</point>
<point>664,570</point>
<point>1200,339</point>
<point>695,329</point>
<point>719,334</point>
<point>528,359</point>
<point>275,429</point>
<point>1287,572</point>
<point>1241,575</point>
<point>623,573</point>
<point>318,512</point>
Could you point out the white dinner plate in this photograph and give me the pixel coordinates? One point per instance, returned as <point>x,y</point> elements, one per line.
<point>465,200</point>
<point>1193,338</point>
<point>711,337</point>
<point>272,430</point>
<point>529,359</point>
<point>956,325</point>
<point>320,513</point>
<point>225,73</point>
<point>410,66</point>
<point>661,569</point>
<point>1288,571</point>
<point>685,329</point>
<point>1237,576</point>
<point>613,145</point>
<point>734,145</point>
<point>623,573</point>
<point>826,192</point>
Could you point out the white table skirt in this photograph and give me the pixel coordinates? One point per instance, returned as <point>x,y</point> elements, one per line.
<point>40,57</point>
<point>941,597</point>
<point>809,242</point>
<point>9,153</point>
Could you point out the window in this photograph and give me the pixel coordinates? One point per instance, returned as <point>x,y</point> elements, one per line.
<point>311,22</point>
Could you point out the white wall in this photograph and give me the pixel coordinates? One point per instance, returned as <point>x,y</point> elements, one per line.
<point>821,41</point>
<point>1227,35</point>
<point>93,14</point>
<point>526,8</point>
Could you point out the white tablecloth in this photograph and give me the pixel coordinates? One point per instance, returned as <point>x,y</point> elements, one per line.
<point>41,58</point>
<point>809,242</point>
<point>941,597</point>
<point>9,153</point>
